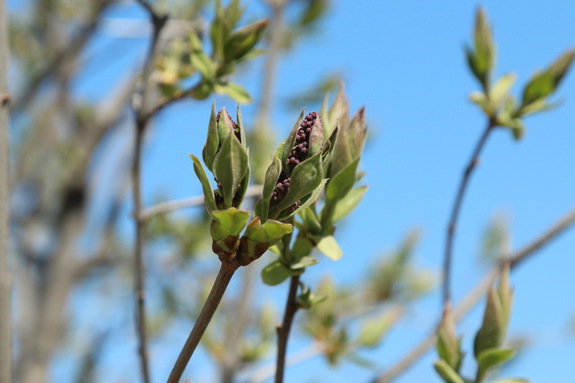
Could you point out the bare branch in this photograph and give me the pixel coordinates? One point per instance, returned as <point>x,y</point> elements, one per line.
<point>452,226</point>
<point>158,22</point>
<point>253,191</point>
<point>5,278</point>
<point>477,294</point>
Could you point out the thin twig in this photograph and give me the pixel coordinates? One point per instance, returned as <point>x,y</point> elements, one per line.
<point>452,226</point>
<point>473,297</point>
<point>284,330</point>
<point>158,23</point>
<point>253,191</point>
<point>5,285</point>
<point>223,278</point>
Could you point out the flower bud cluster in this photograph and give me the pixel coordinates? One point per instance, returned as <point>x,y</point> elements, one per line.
<point>301,147</point>
<point>234,125</point>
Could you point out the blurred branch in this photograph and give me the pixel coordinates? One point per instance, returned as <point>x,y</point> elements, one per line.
<point>5,277</point>
<point>70,50</point>
<point>300,356</point>
<point>477,294</point>
<point>140,110</point>
<point>452,226</point>
<point>253,191</point>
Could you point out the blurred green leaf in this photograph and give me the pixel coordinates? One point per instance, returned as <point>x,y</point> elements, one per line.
<point>373,330</point>
<point>491,358</point>
<point>447,373</point>
<point>275,273</point>
<point>330,248</point>
<point>234,91</point>
<point>491,333</point>
<point>349,202</point>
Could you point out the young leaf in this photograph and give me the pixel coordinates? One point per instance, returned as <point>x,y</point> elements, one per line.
<point>305,178</point>
<point>348,203</point>
<point>271,178</point>
<point>275,273</point>
<point>206,186</point>
<point>230,166</point>
<point>447,373</point>
<point>341,183</point>
<point>491,333</point>
<point>235,91</point>
<point>330,248</point>
<point>491,358</point>
<point>212,142</point>
<point>229,222</point>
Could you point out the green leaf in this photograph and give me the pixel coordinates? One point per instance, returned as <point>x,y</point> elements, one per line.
<point>501,88</point>
<point>448,344</point>
<point>491,358</point>
<point>373,330</point>
<point>234,91</point>
<point>302,247</point>
<point>213,141</point>
<point>341,183</point>
<point>447,373</point>
<point>206,186</point>
<point>202,91</point>
<point>310,221</point>
<point>541,85</point>
<point>492,330</point>
<point>241,127</point>
<point>330,248</point>
<point>305,178</point>
<point>275,273</point>
<point>229,222</point>
<point>203,63</point>
<point>308,200</point>
<point>230,166</point>
<point>346,205</point>
<point>303,263</point>
<point>271,232</point>
<point>484,55</point>
<point>270,181</point>
<point>243,40</point>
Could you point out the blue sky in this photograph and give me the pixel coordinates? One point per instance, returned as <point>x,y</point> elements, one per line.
<point>404,61</point>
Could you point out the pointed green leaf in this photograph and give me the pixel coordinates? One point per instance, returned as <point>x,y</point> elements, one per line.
<point>241,127</point>
<point>341,183</point>
<point>448,344</point>
<point>203,64</point>
<point>348,203</point>
<point>491,333</point>
<point>270,181</point>
<point>206,186</point>
<point>213,141</point>
<point>243,40</point>
<point>230,166</point>
<point>310,221</point>
<point>447,373</point>
<point>330,248</point>
<point>493,357</point>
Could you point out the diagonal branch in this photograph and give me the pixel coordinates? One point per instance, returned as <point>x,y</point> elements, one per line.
<point>253,191</point>
<point>477,294</point>
<point>452,226</point>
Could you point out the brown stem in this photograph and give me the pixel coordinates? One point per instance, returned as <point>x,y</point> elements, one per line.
<point>223,278</point>
<point>473,297</point>
<point>5,288</point>
<point>284,330</point>
<point>452,226</point>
